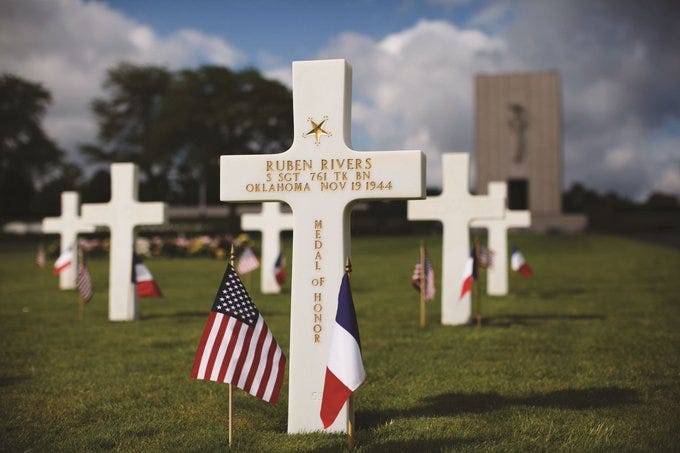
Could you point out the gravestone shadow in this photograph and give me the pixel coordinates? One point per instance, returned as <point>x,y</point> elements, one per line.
<point>444,444</point>
<point>179,314</point>
<point>522,320</point>
<point>366,441</point>
<point>7,381</point>
<point>553,293</point>
<point>451,404</point>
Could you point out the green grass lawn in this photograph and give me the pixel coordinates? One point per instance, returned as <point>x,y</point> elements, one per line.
<point>583,356</point>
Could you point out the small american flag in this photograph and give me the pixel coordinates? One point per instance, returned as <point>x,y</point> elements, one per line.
<point>83,280</point>
<point>247,262</point>
<point>485,257</point>
<point>237,347</point>
<point>429,277</point>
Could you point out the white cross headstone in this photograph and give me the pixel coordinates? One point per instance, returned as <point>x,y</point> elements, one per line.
<point>270,222</point>
<point>497,274</point>
<point>68,225</point>
<point>121,215</point>
<point>455,208</point>
<point>319,177</point>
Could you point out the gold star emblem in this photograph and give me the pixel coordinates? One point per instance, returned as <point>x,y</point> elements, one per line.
<point>317,130</point>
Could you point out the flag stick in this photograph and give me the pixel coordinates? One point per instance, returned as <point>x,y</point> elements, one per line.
<point>81,301</point>
<point>231,263</point>
<point>422,284</point>
<point>478,294</point>
<point>350,402</point>
<point>230,409</point>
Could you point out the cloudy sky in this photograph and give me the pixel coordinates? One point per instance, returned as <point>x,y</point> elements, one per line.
<point>414,63</point>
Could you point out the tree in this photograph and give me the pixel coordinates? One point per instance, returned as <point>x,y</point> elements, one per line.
<point>47,201</point>
<point>213,111</point>
<point>26,153</point>
<point>176,125</point>
<point>127,119</point>
<point>97,189</point>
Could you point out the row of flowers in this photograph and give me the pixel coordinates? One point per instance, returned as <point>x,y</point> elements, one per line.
<point>171,246</point>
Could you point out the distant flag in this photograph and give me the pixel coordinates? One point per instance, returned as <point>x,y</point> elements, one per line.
<point>40,256</point>
<point>236,346</point>
<point>143,280</point>
<point>280,269</point>
<point>469,275</point>
<point>83,280</point>
<point>64,260</point>
<point>247,262</point>
<point>485,257</point>
<point>345,369</point>
<point>429,277</point>
<point>518,263</point>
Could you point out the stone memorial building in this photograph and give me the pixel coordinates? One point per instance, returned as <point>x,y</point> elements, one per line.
<point>518,139</point>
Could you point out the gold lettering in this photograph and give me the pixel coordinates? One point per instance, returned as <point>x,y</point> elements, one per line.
<point>278,187</point>
<point>317,297</point>
<point>316,338</point>
<point>333,186</point>
<point>317,328</point>
<point>289,165</point>
<point>289,177</point>
<point>368,163</point>
<point>317,317</point>
<point>318,234</point>
<point>318,256</point>
<point>320,307</point>
<point>318,224</point>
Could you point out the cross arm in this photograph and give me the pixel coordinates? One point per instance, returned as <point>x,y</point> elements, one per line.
<point>152,213</point>
<point>97,213</point>
<point>255,178</point>
<point>57,224</point>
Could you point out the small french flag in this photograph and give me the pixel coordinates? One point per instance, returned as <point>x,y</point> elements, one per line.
<point>64,260</point>
<point>469,275</point>
<point>519,264</point>
<point>345,369</point>
<point>141,276</point>
<point>280,269</point>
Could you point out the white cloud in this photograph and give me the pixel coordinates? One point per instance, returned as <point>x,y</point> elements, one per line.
<point>619,158</point>
<point>670,179</point>
<point>490,16</point>
<point>414,89</point>
<point>619,86</point>
<point>619,70</point>
<point>282,74</point>
<point>68,45</point>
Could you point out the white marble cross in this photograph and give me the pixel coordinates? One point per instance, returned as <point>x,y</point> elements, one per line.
<point>68,225</point>
<point>320,177</point>
<point>121,215</point>
<point>497,274</point>
<point>455,208</point>
<point>270,222</point>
